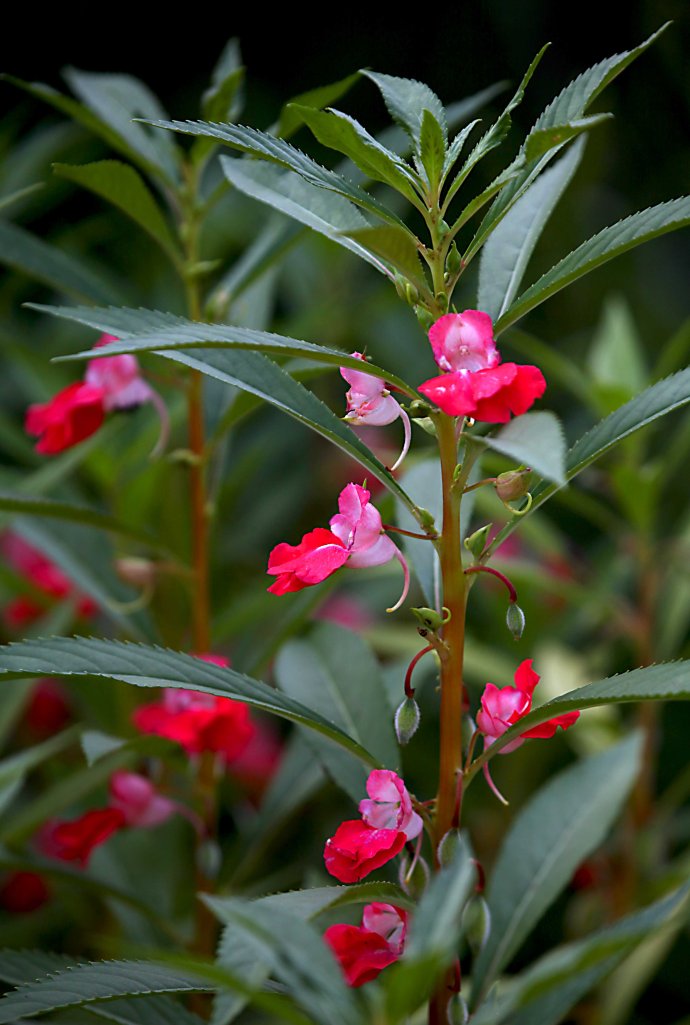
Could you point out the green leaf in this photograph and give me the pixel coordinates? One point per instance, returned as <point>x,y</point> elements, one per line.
<point>566,820</point>
<point>141,330</point>
<point>615,359</point>
<point>456,147</point>
<point>87,983</point>
<point>144,666</point>
<point>15,768</point>
<point>609,243</point>
<point>118,100</point>
<point>537,441</point>
<point>223,98</point>
<point>277,151</point>
<point>406,100</point>
<point>335,673</point>
<point>314,99</point>
<point>51,266</point>
<point>546,139</point>
<point>432,148</point>
<point>509,247</point>
<point>550,988</point>
<point>322,211</point>
<point>15,197</point>
<point>124,187</point>
<point>340,132</point>
<point>396,247</point>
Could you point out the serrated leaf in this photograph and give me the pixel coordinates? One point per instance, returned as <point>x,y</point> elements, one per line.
<point>537,441</point>
<point>508,249</point>
<point>607,244</point>
<point>456,147</point>
<point>540,142</point>
<point>432,148</point>
<point>336,674</point>
<point>406,100</point>
<point>51,266</point>
<point>118,100</point>
<point>396,247</point>
<point>124,187</point>
<point>314,99</point>
<point>560,826</point>
<point>551,987</point>
<point>144,666</point>
<point>87,983</point>
<point>340,132</point>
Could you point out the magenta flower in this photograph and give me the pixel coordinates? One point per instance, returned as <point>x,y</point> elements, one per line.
<point>138,800</point>
<point>389,805</point>
<point>475,383</point>
<point>502,707</point>
<point>356,537</point>
<point>370,404</point>
<point>364,951</point>
<point>356,849</point>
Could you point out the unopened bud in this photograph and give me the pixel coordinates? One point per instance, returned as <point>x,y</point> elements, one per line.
<point>411,293</point>
<point>515,620</point>
<point>476,923</point>
<point>442,299</point>
<point>413,875</point>
<point>406,720</point>
<point>135,571</point>
<point>513,484</point>
<point>430,619</point>
<point>453,260</point>
<point>476,543</point>
<point>443,228</point>
<point>458,1012</point>
<point>426,518</point>
<point>425,318</point>
<point>448,847</point>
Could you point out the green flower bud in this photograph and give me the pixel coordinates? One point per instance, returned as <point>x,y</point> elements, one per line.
<point>476,923</point>
<point>443,228</point>
<point>426,519</point>
<point>515,620</point>
<point>453,260</point>
<point>513,484</point>
<point>414,883</point>
<point>411,293</point>
<point>458,1012</point>
<point>476,543</point>
<point>449,846</point>
<point>430,619</point>
<point>406,720</point>
<point>425,318</point>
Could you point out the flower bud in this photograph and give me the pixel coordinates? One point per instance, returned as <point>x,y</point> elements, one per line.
<point>430,619</point>
<point>458,1013</point>
<point>425,318</point>
<point>515,620</point>
<point>453,260</point>
<point>411,293</point>
<point>476,543</point>
<point>413,882</point>
<point>513,484</point>
<point>135,571</point>
<point>448,847</point>
<point>443,228</point>
<point>476,923</point>
<point>406,720</point>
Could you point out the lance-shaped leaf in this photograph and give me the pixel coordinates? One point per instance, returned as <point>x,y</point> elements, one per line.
<point>396,247</point>
<point>144,666</point>
<point>651,404</point>
<point>432,148</point>
<point>124,187</point>
<point>54,267</point>
<point>313,99</point>
<point>81,984</point>
<point>14,769</point>
<point>406,100</point>
<point>566,820</point>
<point>222,100</point>
<point>277,151</point>
<point>551,987</point>
<point>506,253</point>
<point>545,139</point>
<point>609,243</point>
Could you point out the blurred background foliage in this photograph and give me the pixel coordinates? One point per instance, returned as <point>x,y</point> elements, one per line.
<point>602,573</point>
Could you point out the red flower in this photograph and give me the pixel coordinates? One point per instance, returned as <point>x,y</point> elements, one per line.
<point>76,840</point>
<point>319,554</point>
<point>364,951</point>
<point>490,395</point>
<point>71,416</point>
<point>22,892</point>
<point>356,849</point>
<point>45,576</point>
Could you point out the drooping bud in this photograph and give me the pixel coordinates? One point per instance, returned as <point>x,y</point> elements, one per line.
<point>413,875</point>
<point>448,847</point>
<point>430,619</point>
<point>515,620</point>
<point>453,260</point>
<point>406,720</point>
<point>476,923</point>
<point>476,543</point>
<point>513,484</point>
<point>458,1012</point>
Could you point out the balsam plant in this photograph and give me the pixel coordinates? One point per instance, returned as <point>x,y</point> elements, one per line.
<point>447,930</point>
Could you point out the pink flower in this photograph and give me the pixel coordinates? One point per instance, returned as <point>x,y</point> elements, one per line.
<point>75,840</point>
<point>356,849</point>
<point>370,403</point>
<point>71,416</point>
<point>119,379</point>
<point>356,537</point>
<point>137,799</point>
<point>389,806</point>
<point>199,722</point>
<point>475,383</point>
<point>364,951</point>
<point>502,707</point>
<point>45,576</point>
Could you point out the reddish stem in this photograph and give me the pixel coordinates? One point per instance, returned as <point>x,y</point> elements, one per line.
<point>495,573</point>
<point>409,689</point>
